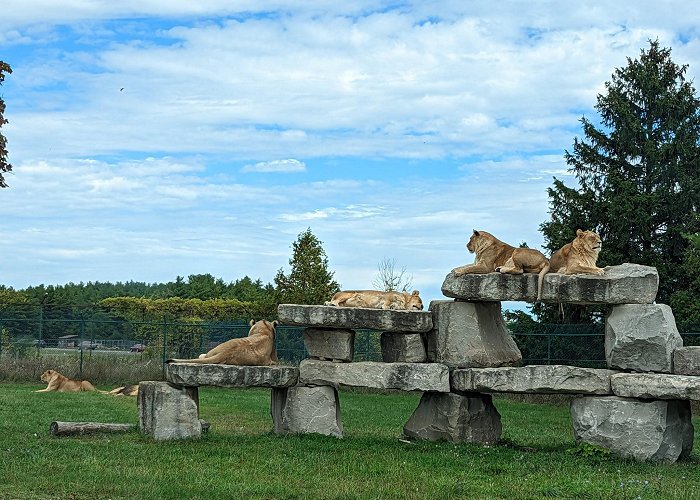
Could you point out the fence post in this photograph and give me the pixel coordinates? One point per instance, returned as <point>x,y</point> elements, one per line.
<point>165,337</point>
<point>549,348</point>
<point>2,337</point>
<point>80,342</point>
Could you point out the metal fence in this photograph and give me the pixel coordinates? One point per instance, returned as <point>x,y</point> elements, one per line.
<point>83,342</point>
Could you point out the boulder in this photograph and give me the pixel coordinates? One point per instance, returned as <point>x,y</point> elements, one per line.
<point>686,360</point>
<point>641,337</point>
<point>470,334</point>
<point>330,343</point>
<point>306,410</point>
<point>623,284</point>
<point>402,348</point>
<point>376,375</point>
<point>168,412</point>
<point>195,374</point>
<point>656,386</point>
<point>355,318</point>
<point>534,379</point>
<point>457,418</point>
<point>657,431</point>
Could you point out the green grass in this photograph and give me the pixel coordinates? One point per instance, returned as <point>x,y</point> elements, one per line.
<point>240,458</point>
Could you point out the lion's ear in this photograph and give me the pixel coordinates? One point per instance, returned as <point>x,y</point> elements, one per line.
<point>252,322</point>
<point>275,323</point>
<point>476,233</point>
<point>579,232</point>
<point>415,292</point>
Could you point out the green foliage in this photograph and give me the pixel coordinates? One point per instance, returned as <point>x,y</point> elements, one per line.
<point>4,165</point>
<point>309,281</point>
<point>687,299</point>
<point>592,451</point>
<point>637,172</point>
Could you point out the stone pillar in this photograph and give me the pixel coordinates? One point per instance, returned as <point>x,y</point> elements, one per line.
<point>457,418</point>
<point>305,410</point>
<point>169,412</point>
<point>402,348</point>
<point>330,343</point>
<point>686,360</point>
<point>654,430</point>
<point>470,335</point>
<point>641,337</point>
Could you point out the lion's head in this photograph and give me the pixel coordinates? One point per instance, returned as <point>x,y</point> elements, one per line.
<point>262,327</point>
<point>478,241</point>
<point>414,302</point>
<point>587,243</point>
<point>47,375</point>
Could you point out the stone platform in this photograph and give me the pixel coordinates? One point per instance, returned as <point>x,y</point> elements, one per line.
<point>623,284</point>
<point>195,375</point>
<point>355,318</point>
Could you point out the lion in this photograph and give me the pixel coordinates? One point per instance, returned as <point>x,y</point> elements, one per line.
<point>257,349</point>
<point>493,255</point>
<point>579,256</point>
<point>60,383</point>
<point>377,299</point>
<point>127,390</point>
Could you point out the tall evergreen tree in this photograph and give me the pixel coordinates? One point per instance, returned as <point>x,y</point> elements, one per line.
<point>309,281</point>
<point>638,171</point>
<point>4,165</point>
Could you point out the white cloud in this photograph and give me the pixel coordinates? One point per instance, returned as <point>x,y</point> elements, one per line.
<point>280,166</point>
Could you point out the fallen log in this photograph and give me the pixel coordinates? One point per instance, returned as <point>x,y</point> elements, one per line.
<point>73,428</point>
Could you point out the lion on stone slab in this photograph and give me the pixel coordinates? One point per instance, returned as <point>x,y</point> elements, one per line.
<point>579,256</point>
<point>493,255</point>
<point>61,383</point>
<point>257,349</point>
<point>377,299</point>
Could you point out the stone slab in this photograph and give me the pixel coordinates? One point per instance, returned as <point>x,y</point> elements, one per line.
<point>534,379</point>
<point>332,344</point>
<point>657,431</point>
<point>355,318</point>
<point>457,418</point>
<point>623,284</point>
<point>376,375</point>
<point>306,410</point>
<point>686,360</point>
<point>195,375</point>
<point>656,386</point>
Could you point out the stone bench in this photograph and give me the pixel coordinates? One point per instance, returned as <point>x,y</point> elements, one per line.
<point>623,284</point>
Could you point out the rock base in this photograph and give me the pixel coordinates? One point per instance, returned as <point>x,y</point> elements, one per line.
<point>168,412</point>
<point>306,410</point>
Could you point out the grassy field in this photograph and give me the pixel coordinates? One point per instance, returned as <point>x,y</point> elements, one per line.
<point>239,458</point>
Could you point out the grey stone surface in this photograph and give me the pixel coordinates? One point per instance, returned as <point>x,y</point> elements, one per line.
<point>623,284</point>
<point>402,376</point>
<point>192,374</point>
<point>686,360</point>
<point>470,334</point>
<point>355,318</point>
<point>402,347</point>
<point>656,386</point>
<point>641,337</point>
<point>657,431</point>
<point>167,412</point>
<point>306,410</point>
<point>330,343</point>
<point>534,379</point>
<point>456,418</point>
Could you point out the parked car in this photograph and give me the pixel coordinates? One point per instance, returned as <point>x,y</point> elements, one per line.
<point>138,348</point>
<point>86,344</point>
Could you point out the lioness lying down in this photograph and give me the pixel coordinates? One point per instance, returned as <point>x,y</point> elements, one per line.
<point>60,383</point>
<point>376,299</point>
<point>257,349</point>
<point>494,255</point>
<point>579,256</point>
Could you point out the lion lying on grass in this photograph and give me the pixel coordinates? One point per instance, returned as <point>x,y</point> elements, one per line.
<point>579,256</point>
<point>257,349</point>
<point>127,390</point>
<point>494,255</point>
<point>60,383</point>
<point>376,299</point>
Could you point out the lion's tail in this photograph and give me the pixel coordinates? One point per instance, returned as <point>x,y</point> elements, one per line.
<point>540,280</point>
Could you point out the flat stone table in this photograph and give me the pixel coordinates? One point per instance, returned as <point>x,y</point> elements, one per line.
<point>355,318</point>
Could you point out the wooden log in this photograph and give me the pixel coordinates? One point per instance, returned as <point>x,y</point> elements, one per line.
<point>72,428</point>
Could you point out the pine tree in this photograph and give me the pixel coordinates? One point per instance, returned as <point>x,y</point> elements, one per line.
<point>309,281</point>
<point>638,171</point>
<point>4,165</point>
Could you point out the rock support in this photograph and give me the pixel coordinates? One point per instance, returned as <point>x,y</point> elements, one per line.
<point>657,431</point>
<point>306,410</point>
<point>168,412</point>
<point>330,343</point>
<point>686,360</point>
<point>402,347</point>
<point>656,386</point>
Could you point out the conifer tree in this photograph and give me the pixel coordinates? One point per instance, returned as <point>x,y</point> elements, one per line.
<point>4,165</point>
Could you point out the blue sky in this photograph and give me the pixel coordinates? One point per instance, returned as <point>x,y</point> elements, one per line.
<point>159,138</point>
